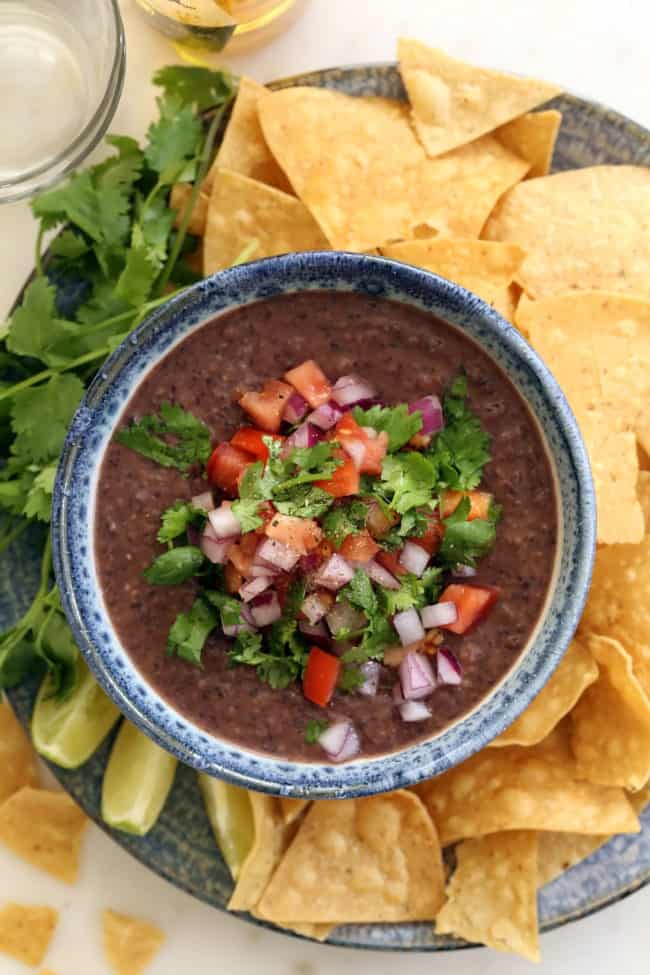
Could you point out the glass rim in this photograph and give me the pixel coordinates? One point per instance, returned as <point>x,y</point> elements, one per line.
<point>40,177</point>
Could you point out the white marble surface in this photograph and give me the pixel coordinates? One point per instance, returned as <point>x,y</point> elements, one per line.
<point>591,46</point>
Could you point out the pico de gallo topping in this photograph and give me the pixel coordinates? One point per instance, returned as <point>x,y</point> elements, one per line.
<point>336,540</point>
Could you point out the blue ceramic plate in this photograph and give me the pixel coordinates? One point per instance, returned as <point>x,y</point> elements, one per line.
<point>181,847</point>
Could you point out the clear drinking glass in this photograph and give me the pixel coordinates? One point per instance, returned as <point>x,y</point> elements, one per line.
<point>61,74</point>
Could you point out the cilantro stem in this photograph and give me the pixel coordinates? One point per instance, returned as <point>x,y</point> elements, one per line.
<point>12,535</point>
<point>205,159</point>
<point>48,373</point>
<point>38,255</point>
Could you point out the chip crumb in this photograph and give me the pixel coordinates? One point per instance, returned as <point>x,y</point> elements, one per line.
<point>26,932</point>
<point>130,943</point>
<point>45,829</point>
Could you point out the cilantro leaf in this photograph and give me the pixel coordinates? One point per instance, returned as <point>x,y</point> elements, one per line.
<point>138,275</point>
<point>351,679</point>
<point>176,519</point>
<point>39,499</point>
<point>411,592</point>
<point>465,541</point>
<point>462,448</point>
<point>315,729</point>
<point>192,437</point>
<point>190,630</point>
<point>360,593</point>
<point>40,417</point>
<point>304,502</point>
<point>34,328</point>
<point>175,566</point>
<point>56,645</point>
<point>173,140</point>
<point>245,512</point>
<point>343,520</point>
<point>409,479</point>
<point>252,486</point>
<point>313,463</point>
<point>396,421</point>
<point>229,608</point>
<point>200,87</point>
<point>247,649</point>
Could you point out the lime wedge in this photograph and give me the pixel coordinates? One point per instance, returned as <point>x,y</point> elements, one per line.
<point>68,732</point>
<point>231,817</point>
<point>137,781</point>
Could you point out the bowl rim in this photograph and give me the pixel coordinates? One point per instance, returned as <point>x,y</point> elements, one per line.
<point>73,493</point>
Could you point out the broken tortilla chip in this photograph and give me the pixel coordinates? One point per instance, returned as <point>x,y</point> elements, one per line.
<point>576,671</point>
<point>506,302</point>
<point>26,932</point>
<point>243,212</point>
<point>474,264</point>
<point>292,809</point>
<point>17,763</point>
<point>564,222</point>
<point>178,200</point>
<point>272,837</point>
<point>454,102</point>
<point>357,165</point>
<point>492,895</point>
<point>45,829</point>
<point>515,788</point>
<point>130,944</point>
<point>357,860</point>
<point>611,722</point>
<point>532,137</point>
<point>243,148</point>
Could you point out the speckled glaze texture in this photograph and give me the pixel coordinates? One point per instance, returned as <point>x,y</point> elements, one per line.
<point>74,501</point>
<point>180,848</point>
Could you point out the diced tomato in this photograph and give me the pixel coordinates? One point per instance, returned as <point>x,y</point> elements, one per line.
<point>226,466</point>
<point>472,604</point>
<point>420,441</point>
<point>378,522</point>
<point>359,548</point>
<point>250,439</point>
<point>375,448</point>
<point>266,408</point>
<point>433,536</point>
<point>242,553</point>
<point>479,503</point>
<point>233,578</point>
<point>344,481</point>
<point>301,534</point>
<point>321,676</point>
<point>390,561</point>
<point>310,381</point>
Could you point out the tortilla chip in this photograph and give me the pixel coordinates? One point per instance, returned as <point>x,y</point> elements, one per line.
<point>454,102</point>
<point>317,932</point>
<point>272,837</point>
<point>565,223</point>
<point>243,212</point>
<point>357,165</point>
<point>576,671</point>
<point>607,385</point>
<point>17,762</point>
<point>619,597</point>
<point>492,896</point>
<point>515,788</point>
<point>44,828</point>
<point>26,932</point>
<point>358,860</point>
<point>506,302</point>
<point>474,264</point>
<point>532,137</point>
<point>611,722</point>
<point>561,851</point>
<point>178,200</point>
<point>130,944</point>
<point>292,809</point>
<point>243,148</point>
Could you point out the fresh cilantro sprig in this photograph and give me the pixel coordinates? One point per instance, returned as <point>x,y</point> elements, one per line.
<point>396,421</point>
<point>464,541</point>
<point>462,448</point>
<point>172,438</point>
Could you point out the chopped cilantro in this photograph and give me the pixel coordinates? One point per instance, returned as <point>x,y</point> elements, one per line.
<point>343,520</point>
<point>175,566</point>
<point>360,593</point>
<point>190,630</point>
<point>200,87</point>
<point>315,729</point>
<point>304,502</point>
<point>462,448</point>
<point>176,519</point>
<point>229,608</point>
<point>408,480</point>
<point>396,421</point>
<point>465,541</point>
<point>245,511</point>
<point>191,438</point>
<point>350,679</point>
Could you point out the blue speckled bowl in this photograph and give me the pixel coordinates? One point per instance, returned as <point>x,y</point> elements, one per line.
<point>93,427</point>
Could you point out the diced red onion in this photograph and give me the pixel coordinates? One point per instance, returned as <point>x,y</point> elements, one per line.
<point>234,629</point>
<point>371,671</point>
<point>397,695</point>
<point>203,502</point>
<point>414,711</point>
<point>350,390</point>
<point>316,633</point>
<point>306,435</point>
<point>433,419</point>
<point>309,563</point>
<point>448,667</point>
<point>215,549</point>
<point>266,609</point>
<point>326,416</point>
<point>340,741</point>
<point>414,558</point>
<point>416,676</point>
<point>409,626</point>
<point>247,615</point>
<point>334,574</point>
<point>379,574</point>
<point>295,409</point>
<point>440,614</point>
<point>276,554</point>
<point>356,449</point>
<point>344,616</point>
<point>254,587</point>
<point>314,608</point>
<point>263,569</point>
<point>464,571</point>
<point>225,523</point>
